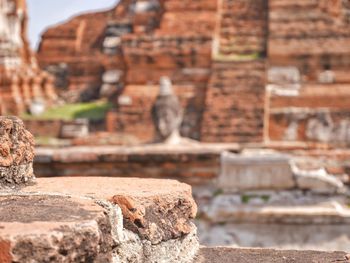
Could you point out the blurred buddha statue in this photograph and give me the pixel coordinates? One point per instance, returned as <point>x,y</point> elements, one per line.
<point>167,113</point>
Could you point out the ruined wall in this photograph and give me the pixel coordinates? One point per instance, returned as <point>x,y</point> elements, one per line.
<point>309,60</point>
<point>21,81</point>
<point>234,106</point>
<point>72,52</point>
<point>218,55</point>
<point>132,46</point>
<point>165,38</point>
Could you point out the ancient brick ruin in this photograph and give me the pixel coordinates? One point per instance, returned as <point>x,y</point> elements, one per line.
<point>100,219</point>
<point>21,81</point>
<point>245,71</point>
<point>271,75</point>
<point>309,61</point>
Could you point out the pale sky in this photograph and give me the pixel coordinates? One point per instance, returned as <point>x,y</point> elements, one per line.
<point>43,13</point>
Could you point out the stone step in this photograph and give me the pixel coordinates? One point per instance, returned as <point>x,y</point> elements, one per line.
<point>284,208</point>
<point>47,228</point>
<point>99,220</point>
<point>229,255</point>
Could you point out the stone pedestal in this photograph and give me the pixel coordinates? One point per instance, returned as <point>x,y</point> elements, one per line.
<point>255,172</point>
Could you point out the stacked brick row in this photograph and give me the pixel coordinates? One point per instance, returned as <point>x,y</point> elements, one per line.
<point>242,28</point>
<point>313,35</point>
<point>188,17</point>
<point>234,109</point>
<point>234,106</point>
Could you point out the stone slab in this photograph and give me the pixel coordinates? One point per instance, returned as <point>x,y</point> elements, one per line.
<point>44,228</point>
<point>229,255</point>
<point>194,164</point>
<point>280,208</point>
<point>255,172</point>
<point>156,210</point>
<point>320,237</point>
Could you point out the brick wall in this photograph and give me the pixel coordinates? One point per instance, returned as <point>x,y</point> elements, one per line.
<point>309,56</point>
<point>242,28</point>
<point>220,50</point>
<point>234,109</point>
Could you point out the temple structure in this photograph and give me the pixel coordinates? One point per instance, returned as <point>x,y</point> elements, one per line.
<point>21,80</point>
<point>244,70</point>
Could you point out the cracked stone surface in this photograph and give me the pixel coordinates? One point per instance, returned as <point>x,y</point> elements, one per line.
<point>16,153</point>
<point>93,220</point>
<point>156,210</point>
<point>47,228</point>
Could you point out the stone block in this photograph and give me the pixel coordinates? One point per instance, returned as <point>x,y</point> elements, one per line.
<point>98,220</point>
<point>318,181</point>
<point>74,129</point>
<point>44,228</point>
<point>255,172</point>
<point>284,75</point>
<point>237,255</point>
<point>157,210</point>
<point>112,76</point>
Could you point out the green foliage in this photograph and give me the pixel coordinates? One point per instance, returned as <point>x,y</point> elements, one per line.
<point>218,192</point>
<point>266,198</point>
<point>50,141</point>
<point>245,199</point>
<point>92,111</point>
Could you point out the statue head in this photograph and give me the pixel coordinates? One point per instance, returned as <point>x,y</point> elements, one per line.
<point>166,87</point>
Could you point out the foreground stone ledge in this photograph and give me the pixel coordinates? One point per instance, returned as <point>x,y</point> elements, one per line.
<point>236,255</point>
<point>157,210</point>
<point>53,229</point>
<point>255,171</point>
<point>98,220</point>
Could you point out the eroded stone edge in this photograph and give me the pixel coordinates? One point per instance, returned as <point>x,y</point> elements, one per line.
<point>127,246</point>
<point>87,240</point>
<point>131,248</point>
<point>16,175</point>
